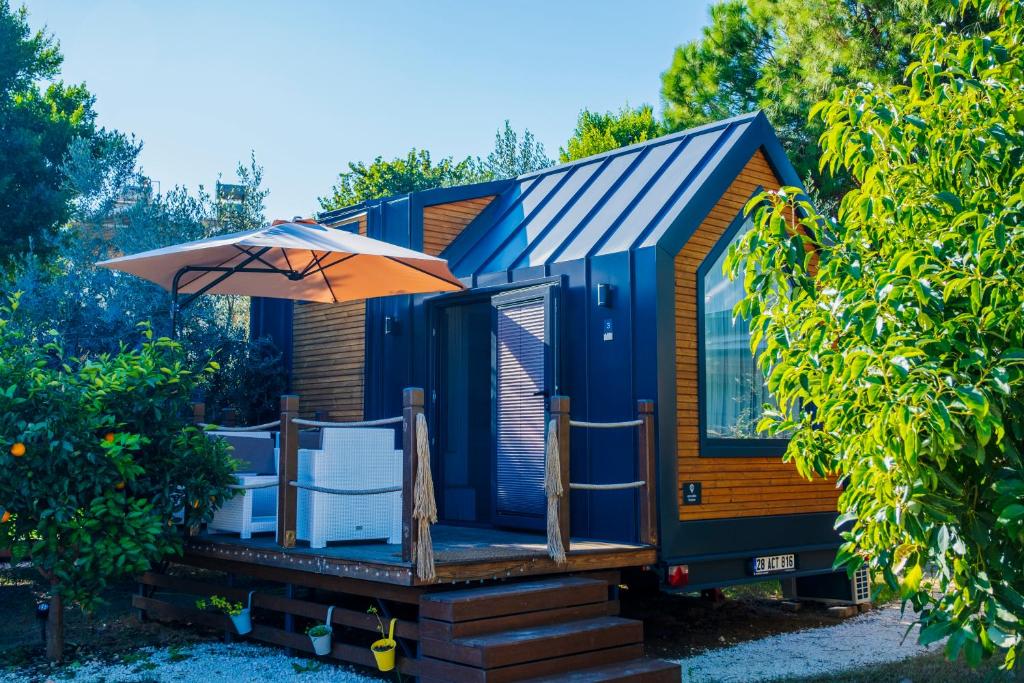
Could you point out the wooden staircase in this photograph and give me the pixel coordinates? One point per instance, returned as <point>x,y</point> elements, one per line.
<point>558,629</point>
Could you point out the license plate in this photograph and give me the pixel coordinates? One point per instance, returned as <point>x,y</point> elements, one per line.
<point>772,564</point>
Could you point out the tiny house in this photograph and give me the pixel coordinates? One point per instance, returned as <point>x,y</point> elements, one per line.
<point>601,281</point>
<point>589,391</point>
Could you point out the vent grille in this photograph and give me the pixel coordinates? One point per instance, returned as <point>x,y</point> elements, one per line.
<point>861,586</point>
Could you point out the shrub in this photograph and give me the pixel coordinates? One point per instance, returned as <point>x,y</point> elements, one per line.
<point>97,457</point>
<point>898,330</point>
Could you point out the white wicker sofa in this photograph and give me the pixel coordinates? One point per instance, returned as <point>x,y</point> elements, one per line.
<point>350,460</point>
<point>253,510</point>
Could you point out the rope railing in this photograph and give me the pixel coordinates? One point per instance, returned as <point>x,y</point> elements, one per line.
<point>253,428</point>
<point>605,425</point>
<point>607,487</point>
<point>344,492</point>
<point>254,485</point>
<point>557,483</point>
<point>362,423</point>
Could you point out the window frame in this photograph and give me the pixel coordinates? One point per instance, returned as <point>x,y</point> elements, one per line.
<point>716,447</point>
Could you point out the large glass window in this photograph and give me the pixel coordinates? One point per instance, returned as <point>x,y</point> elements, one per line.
<point>732,386</point>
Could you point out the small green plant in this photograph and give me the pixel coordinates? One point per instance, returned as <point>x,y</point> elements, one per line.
<point>318,630</point>
<point>307,667</point>
<point>176,654</point>
<point>380,623</point>
<point>232,609</point>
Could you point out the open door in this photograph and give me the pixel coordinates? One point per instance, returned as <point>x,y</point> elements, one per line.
<point>524,365</point>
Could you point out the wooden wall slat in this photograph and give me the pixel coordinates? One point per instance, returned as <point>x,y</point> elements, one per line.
<point>442,223</point>
<point>730,487</point>
<point>329,357</point>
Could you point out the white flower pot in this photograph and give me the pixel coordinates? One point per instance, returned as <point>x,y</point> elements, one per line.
<point>321,644</point>
<point>242,622</point>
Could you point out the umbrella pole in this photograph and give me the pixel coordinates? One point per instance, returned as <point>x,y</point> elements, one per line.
<point>174,302</point>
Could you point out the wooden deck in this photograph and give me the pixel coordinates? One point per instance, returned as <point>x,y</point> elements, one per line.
<point>550,628</point>
<point>461,554</point>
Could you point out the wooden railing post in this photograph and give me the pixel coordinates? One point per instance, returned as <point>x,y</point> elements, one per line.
<point>560,414</point>
<point>288,471</point>
<point>198,413</point>
<point>412,406</point>
<point>646,472</point>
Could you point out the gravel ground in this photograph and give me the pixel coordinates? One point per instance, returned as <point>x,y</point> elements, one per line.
<point>207,662</point>
<point>871,638</point>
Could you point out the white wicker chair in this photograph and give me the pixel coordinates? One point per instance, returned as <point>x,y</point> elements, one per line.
<point>253,510</point>
<point>351,459</point>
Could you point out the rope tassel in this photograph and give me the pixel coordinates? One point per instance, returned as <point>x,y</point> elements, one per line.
<point>424,510</point>
<point>553,489</point>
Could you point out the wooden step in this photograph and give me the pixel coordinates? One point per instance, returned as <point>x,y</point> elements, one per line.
<point>438,671</point>
<point>643,670</point>
<point>445,630</point>
<point>535,643</point>
<point>512,598</point>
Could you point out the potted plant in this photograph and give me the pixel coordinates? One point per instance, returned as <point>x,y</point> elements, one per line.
<point>240,615</point>
<point>320,634</point>
<point>384,648</point>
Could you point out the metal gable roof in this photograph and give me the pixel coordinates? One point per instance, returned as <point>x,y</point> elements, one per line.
<point>624,199</point>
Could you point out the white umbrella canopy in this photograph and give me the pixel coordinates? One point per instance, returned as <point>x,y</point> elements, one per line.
<point>299,260</point>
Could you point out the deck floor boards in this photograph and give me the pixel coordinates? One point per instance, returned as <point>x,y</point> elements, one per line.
<point>461,554</point>
<point>452,545</point>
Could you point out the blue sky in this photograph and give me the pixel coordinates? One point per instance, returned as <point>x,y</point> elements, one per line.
<point>310,86</point>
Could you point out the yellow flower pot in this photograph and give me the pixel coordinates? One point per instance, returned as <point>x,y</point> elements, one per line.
<point>384,650</point>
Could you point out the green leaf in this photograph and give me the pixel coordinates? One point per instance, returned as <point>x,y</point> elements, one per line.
<point>950,199</point>
<point>1011,513</point>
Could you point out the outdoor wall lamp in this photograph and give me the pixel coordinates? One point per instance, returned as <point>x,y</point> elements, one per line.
<point>604,294</point>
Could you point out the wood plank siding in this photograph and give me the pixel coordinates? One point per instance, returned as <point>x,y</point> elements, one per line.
<point>731,487</point>
<point>329,357</point>
<point>442,223</point>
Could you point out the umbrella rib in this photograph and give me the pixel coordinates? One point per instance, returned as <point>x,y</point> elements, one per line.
<point>425,272</point>
<point>259,258</point>
<point>219,265</point>
<point>313,261</point>
<point>223,276</point>
<point>327,281</point>
<point>346,257</point>
<point>284,252</point>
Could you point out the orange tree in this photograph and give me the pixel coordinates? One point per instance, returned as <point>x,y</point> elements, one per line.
<point>899,329</point>
<point>97,458</point>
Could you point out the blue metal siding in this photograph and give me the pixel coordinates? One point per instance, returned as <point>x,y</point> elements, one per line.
<point>543,219</point>
<point>659,196</point>
<point>610,398</point>
<point>618,203</point>
<point>580,211</point>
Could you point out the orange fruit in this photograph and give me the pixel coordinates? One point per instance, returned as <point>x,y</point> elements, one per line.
<point>119,486</point>
<point>18,450</point>
<point>109,438</point>
<point>5,518</point>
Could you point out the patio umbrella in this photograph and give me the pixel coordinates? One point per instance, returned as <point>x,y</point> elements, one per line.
<point>300,260</point>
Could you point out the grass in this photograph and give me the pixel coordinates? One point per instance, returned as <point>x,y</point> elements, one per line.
<point>762,590</point>
<point>929,668</point>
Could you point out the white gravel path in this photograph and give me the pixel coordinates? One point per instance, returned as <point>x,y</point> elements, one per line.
<point>206,663</point>
<point>872,638</point>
